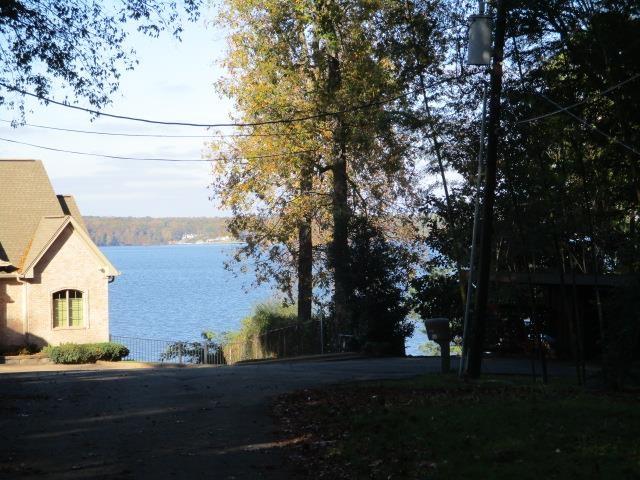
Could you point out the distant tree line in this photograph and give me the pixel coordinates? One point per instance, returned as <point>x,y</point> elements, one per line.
<point>112,231</point>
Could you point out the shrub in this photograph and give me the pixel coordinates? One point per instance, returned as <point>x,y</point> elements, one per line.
<point>73,353</point>
<point>193,352</point>
<point>271,331</point>
<point>110,351</point>
<point>379,300</point>
<point>70,353</point>
<point>264,318</point>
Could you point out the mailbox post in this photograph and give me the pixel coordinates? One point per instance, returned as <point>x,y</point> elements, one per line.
<point>438,331</point>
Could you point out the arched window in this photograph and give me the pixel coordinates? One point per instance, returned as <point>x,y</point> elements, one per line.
<point>67,309</point>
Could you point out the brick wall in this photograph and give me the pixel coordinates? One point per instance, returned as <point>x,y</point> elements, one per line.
<point>68,264</point>
<point>11,309</point>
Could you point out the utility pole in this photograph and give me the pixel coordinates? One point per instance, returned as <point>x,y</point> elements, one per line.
<point>476,338</point>
<point>474,239</point>
<point>478,54</point>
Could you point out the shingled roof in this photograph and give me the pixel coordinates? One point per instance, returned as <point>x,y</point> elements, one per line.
<point>30,212</point>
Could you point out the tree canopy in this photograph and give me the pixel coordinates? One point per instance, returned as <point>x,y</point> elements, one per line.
<point>80,45</point>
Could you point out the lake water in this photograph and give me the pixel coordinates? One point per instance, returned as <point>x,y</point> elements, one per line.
<point>174,292</point>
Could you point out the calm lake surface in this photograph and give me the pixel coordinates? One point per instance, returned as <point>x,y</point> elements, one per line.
<point>174,292</point>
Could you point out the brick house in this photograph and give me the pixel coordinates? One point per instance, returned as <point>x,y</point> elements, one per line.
<point>53,278</point>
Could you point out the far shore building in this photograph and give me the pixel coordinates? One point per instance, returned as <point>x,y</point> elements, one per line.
<point>53,278</point>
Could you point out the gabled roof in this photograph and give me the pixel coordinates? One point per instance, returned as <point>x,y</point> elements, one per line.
<point>26,195</point>
<point>48,230</point>
<point>47,233</point>
<point>32,217</point>
<point>69,207</point>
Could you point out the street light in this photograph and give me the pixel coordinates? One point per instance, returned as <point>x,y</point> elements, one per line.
<point>479,49</point>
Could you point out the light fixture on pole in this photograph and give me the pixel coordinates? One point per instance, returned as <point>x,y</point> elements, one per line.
<point>479,47</point>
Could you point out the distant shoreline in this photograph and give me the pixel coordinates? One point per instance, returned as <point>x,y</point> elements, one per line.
<point>141,231</point>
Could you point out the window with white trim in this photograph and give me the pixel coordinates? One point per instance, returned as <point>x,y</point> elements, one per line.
<point>68,309</point>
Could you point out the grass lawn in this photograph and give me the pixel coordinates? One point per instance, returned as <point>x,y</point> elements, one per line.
<point>441,427</point>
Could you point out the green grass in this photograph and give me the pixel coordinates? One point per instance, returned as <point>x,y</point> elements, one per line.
<point>500,428</point>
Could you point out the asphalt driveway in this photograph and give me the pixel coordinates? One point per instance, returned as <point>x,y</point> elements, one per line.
<point>209,422</point>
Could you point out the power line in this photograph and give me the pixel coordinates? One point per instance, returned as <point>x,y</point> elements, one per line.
<point>149,135</point>
<point>560,108</point>
<point>590,125</point>
<point>564,109</point>
<point>215,125</point>
<point>174,160</point>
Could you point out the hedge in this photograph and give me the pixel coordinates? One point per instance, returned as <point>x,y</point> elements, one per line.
<point>86,352</point>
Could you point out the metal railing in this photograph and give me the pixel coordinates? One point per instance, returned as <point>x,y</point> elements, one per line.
<point>290,341</point>
<point>169,351</point>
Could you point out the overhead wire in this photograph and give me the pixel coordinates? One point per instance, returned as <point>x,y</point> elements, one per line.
<point>148,135</point>
<point>220,125</point>
<point>589,124</point>
<point>566,109</point>
<point>573,105</point>
<point>151,159</point>
<point>188,124</point>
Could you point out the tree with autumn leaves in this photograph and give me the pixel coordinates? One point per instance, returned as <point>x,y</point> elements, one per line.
<point>341,151</point>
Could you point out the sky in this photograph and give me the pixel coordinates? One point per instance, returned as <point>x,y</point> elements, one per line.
<point>174,81</point>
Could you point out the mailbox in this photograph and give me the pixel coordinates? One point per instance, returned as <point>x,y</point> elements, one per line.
<point>438,331</point>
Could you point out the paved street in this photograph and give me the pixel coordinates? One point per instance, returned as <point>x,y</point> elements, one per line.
<point>167,422</point>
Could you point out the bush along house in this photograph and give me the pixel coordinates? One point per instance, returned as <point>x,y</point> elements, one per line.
<point>53,278</point>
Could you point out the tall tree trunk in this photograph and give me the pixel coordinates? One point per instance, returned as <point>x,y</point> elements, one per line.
<point>339,257</point>
<point>476,339</point>
<point>340,243</point>
<point>305,253</point>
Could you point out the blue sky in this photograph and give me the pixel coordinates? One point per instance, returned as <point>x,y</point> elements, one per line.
<point>174,81</point>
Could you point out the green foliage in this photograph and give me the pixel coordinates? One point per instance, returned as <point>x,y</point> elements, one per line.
<point>567,193</point>
<point>272,331</point>
<point>287,58</point>
<point>81,44</point>
<point>264,318</point>
<point>109,351</point>
<point>111,231</point>
<point>73,353</point>
<point>567,197</point>
<point>379,278</point>
<point>193,352</point>
<point>432,349</point>
<point>437,294</point>
<point>70,353</point>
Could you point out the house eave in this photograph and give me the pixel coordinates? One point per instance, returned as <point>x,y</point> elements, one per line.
<point>106,267</point>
